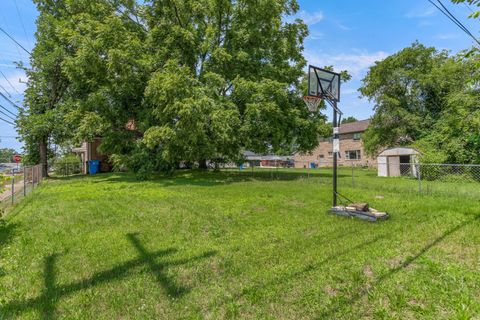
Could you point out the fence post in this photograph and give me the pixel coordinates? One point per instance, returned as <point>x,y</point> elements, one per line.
<point>24,182</point>
<point>419,179</point>
<point>353,178</point>
<point>13,186</point>
<point>33,177</point>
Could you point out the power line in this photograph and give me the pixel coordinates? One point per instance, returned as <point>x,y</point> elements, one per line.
<point>16,42</point>
<point>6,115</point>
<point>11,102</point>
<point>7,121</point>
<point>468,7</point>
<point>452,18</point>
<point>8,94</point>
<point>11,85</point>
<point>21,22</point>
<point>8,110</point>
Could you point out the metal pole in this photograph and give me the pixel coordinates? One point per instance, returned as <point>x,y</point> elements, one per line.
<point>353,178</point>
<point>419,179</point>
<point>335,136</point>
<point>13,187</point>
<point>24,182</point>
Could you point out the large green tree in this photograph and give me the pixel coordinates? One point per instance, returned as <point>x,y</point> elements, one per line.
<point>202,80</point>
<point>42,119</point>
<point>6,154</point>
<point>195,80</point>
<point>425,98</point>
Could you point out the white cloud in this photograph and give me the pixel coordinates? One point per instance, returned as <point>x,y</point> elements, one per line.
<point>13,80</point>
<point>316,35</point>
<point>447,36</point>
<point>421,13</point>
<point>356,63</point>
<point>312,18</point>
<point>350,91</point>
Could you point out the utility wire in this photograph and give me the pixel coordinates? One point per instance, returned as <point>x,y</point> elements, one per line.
<point>2,107</point>
<point>11,85</point>
<point>468,7</point>
<point>7,121</point>
<point>16,42</point>
<point>8,94</point>
<point>11,102</point>
<point>21,22</point>
<point>450,16</point>
<point>6,115</point>
<point>456,22</point>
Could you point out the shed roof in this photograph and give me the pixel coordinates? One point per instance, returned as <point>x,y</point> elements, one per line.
<point>357,126</point>
<point>399,151</point>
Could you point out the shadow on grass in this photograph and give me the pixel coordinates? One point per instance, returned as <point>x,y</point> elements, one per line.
<point>205,178</point>
<point>52,293</point>
<point>362,291</point>
<point>287,277</point>
<point>7,231</point>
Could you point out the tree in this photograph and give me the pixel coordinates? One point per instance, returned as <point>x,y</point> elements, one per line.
<point>349,120</point>
<point>42,117</point>
<point>6,154</point>
<point>475,14</point>
<point>202,79</point>
<point>425,98</point>
<point>199,79</point>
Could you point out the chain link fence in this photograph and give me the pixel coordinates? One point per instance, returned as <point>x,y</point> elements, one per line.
<point>448,179</point>
<point>16,184</point>
<point>68,168</point>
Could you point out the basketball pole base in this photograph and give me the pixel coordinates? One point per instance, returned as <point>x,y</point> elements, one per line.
<point>370,215</point>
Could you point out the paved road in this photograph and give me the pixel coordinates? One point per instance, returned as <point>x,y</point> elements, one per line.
<point>7,167</point>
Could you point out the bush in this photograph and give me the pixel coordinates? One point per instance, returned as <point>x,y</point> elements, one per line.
<point>2,182</point>
<point>68,165</point>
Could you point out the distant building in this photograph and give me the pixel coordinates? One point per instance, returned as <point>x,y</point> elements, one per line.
<point>89,151</point>
<point>352,151</point>
<point>267,161</point>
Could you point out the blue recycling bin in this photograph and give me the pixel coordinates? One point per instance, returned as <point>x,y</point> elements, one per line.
<point>312,165</point>
<point>93,166</point>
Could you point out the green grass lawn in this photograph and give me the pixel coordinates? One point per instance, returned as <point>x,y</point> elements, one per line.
<point>240,245</point>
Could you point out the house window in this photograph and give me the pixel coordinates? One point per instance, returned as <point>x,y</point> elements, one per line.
<point>352,155</point>
<point>357,136</point>
<point>330,154</point>
<point>321,156</point>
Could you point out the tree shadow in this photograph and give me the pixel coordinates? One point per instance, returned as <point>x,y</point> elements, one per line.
<point>7,232</point>
<point>362,291</point>
<point>52,293</point>
<point>215,178</point>
<point>289,276</point>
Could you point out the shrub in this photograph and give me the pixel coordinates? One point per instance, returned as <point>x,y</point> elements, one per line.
<point>68,165</point>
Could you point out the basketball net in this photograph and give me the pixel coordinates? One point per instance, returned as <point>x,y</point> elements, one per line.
<point>312,102</point>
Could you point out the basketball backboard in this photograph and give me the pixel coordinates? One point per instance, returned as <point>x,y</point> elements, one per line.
<point>323,83</point>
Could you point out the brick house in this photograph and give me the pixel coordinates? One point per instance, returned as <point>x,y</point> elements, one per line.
<point>89,150</point>
<point>351,149</point>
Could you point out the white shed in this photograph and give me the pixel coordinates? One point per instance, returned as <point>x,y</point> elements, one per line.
<point>397,162</point>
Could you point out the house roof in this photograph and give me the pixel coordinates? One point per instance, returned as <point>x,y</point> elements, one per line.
<point>357,126</point>
<point>399,152</point>
<point>249,155</point>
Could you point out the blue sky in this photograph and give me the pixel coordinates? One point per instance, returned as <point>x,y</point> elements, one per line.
<point>350,35</point>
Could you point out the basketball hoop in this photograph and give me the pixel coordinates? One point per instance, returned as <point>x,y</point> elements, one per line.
<point>312,102</point>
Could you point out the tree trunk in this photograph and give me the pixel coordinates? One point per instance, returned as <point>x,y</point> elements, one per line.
<point>43,156</point>
<point>202,164</point>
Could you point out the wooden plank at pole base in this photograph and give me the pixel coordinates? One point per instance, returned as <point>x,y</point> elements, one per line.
<point>370,215</point>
